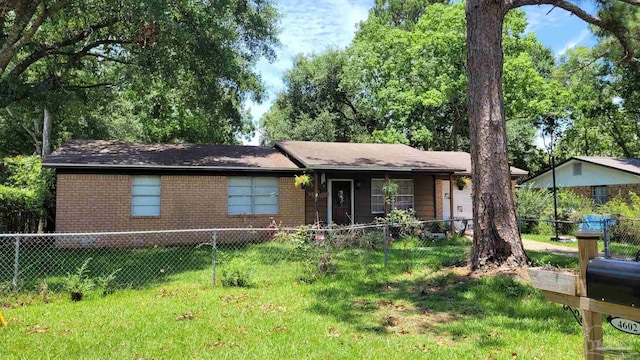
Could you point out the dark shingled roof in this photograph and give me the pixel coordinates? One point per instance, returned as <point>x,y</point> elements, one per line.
<point>119,154</point>
<point>463,159</point>
<point>359,156</point>
<point>333,155</point>
<point>312,155</point>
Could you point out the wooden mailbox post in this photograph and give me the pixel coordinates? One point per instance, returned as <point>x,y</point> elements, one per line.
<point>571,290</point>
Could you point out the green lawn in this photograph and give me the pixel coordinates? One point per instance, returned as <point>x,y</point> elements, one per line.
<point>420,306</point>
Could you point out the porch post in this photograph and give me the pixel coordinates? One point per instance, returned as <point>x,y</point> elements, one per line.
<point>451,202</point>
<point>315,196</point>
<point>386,206</point>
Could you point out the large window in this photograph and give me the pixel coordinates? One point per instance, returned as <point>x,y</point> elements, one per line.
<point>145,196</point>
<point>599,194</point>
<point>253,195</point>
<point>403,201</point>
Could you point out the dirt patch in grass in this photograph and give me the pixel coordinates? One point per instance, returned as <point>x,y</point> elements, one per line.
<point>516,273</point>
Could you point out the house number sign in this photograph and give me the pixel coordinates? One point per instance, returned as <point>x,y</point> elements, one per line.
<point>625,325</point>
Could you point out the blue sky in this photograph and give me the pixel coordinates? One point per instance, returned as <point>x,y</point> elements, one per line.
<point>313,26</point>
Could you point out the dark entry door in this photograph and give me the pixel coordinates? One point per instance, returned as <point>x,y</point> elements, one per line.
<point>341,202</point>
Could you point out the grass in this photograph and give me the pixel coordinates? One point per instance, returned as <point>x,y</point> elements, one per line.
<point>616,247</point>
<point>422,305</point>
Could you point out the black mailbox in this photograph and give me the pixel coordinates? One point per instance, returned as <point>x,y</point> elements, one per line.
<point>614,281</point>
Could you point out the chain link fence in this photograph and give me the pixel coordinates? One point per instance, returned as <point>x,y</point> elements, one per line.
<point>139,259</point>
<point>620,236</point>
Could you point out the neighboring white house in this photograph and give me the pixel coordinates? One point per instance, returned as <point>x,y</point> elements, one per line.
<point>598,178</point>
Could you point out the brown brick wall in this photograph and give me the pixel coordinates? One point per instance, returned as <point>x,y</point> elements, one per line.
<point>584,191</point>
<point>97,202</point>
<point>438,195</point>
<point>612,190</point>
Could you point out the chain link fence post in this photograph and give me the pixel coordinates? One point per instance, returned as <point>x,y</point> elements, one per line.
<point>16,263</point>
<point>214,240</point>
<point>385,240</point>
<point>605,237</point>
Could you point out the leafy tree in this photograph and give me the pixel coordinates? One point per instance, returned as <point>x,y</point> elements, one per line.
<point>316,104</point>
<point>183,67</point>
<point>401,13</point>
<point>407,78</point>
<point>496,239</point>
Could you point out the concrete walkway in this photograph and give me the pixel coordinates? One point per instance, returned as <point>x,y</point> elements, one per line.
<point>556,249</point>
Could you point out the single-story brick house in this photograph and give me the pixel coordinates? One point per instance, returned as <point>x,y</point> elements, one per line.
<point>598,178</point>
<point>120,186</point>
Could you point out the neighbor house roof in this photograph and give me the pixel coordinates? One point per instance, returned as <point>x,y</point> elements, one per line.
<point>357,156</point>
<point>128,155</point>
<point>628,165</point>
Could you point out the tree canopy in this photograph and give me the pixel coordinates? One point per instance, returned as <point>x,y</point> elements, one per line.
<point>405,81</point>
<point>146,70</point>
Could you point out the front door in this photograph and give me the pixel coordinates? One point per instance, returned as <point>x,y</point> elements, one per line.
<point>341,213</point>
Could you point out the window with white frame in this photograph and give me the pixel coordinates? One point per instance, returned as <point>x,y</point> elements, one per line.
<point>403,201</point>
<point>599,194</point>
<point>145,196</point>
<point>252,195</point>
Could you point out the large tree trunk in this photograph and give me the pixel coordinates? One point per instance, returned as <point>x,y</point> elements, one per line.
<point>496,240</point>
<point>46,132</point>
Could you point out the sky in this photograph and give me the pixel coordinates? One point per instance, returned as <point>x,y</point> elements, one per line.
<point>313,26</point>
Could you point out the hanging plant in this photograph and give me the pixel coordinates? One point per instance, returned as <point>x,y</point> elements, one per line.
<point>389,191</point>
<point>462,182</point>
<point>303,181</point>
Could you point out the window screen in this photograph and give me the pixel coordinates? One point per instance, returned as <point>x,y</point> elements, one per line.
<point>253,195</point>
<point>403,201</point>
<point>145,196</point>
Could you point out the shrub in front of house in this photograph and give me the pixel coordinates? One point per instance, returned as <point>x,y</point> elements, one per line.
<point>401,223</point>
<point>626,227</point>
<point>537,204</point>
<point>532,203</point>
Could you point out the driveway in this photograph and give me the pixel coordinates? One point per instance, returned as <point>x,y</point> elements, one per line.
<point>556,249</point>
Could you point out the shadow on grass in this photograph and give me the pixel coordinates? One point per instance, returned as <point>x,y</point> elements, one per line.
<point>139,267</point>
<point>430,300</point>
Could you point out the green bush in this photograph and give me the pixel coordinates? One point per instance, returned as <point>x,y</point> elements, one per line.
<point>78,283</point>
<point>108,283</point>
<point>402,223</point>
<point>237,273</point>
<point>624,230</point>
<point>533,203</point>
<point>620,208</point>
<point>25,193</point>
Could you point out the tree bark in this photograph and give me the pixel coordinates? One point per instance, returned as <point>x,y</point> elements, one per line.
<point>496,240</point>
<point>47,124</point>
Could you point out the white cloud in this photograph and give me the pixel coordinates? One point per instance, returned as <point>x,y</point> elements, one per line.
<point>577,40</point>
<point>307,27</point>
<point>545,16</point>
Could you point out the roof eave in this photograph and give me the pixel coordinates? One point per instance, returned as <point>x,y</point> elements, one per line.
<point>168,167</point>
<point>278,145</point>
<point>382,168</point>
